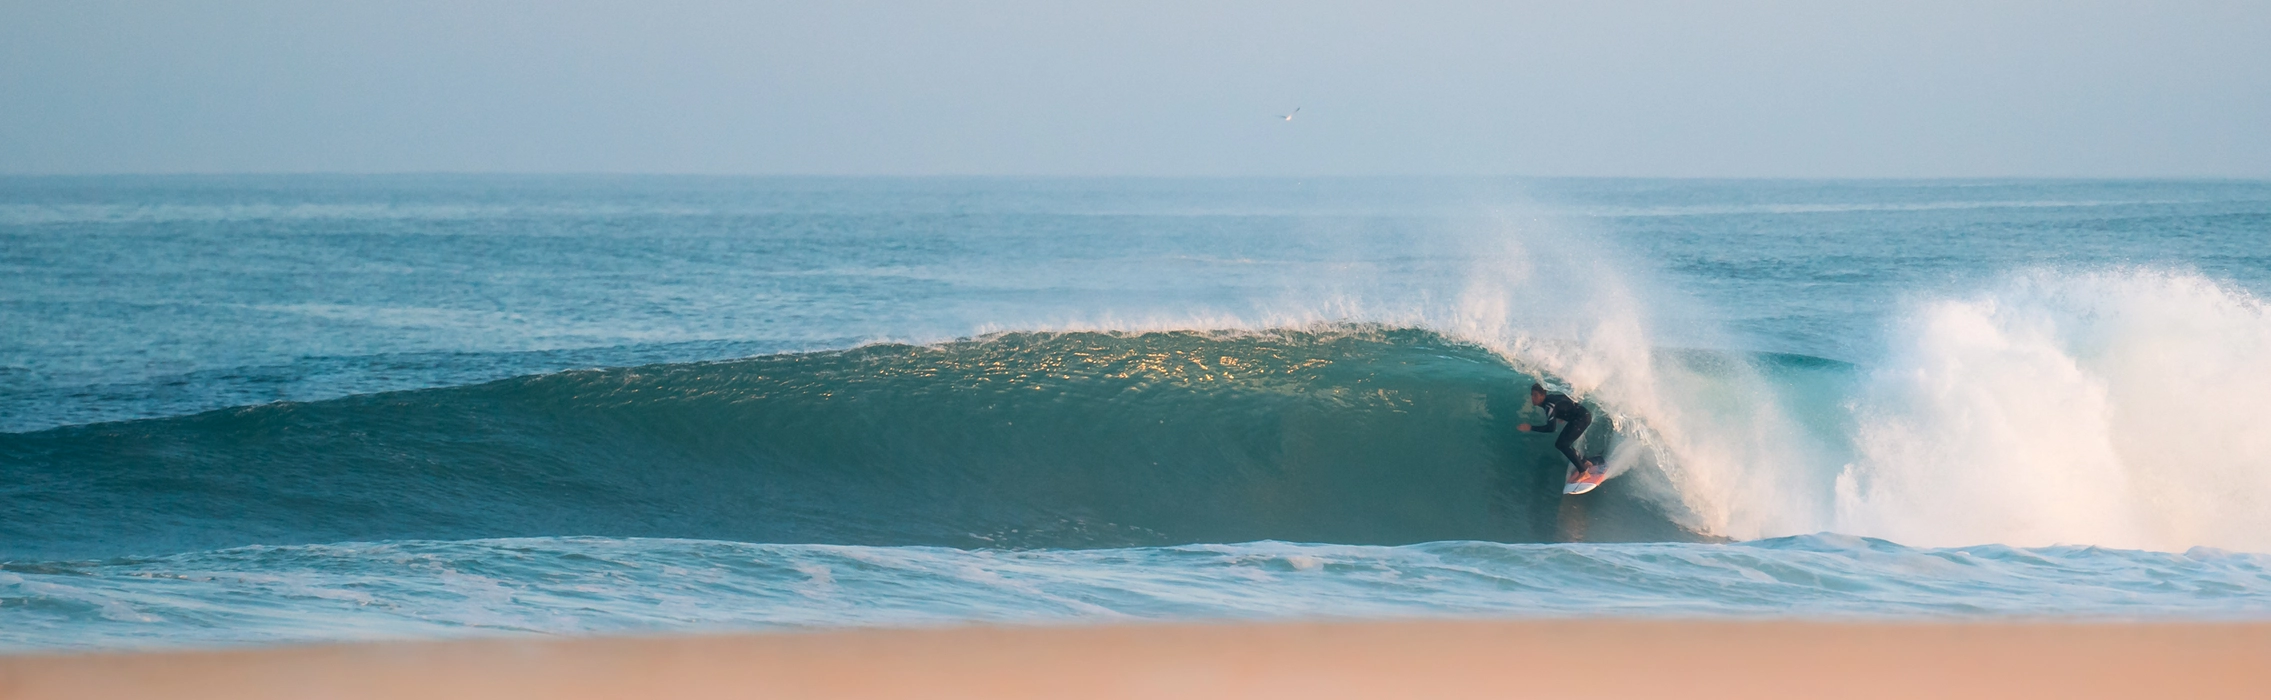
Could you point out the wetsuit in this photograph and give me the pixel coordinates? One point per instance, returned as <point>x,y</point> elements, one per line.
<point>1575,418</point>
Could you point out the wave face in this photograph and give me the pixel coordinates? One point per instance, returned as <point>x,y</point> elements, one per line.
<point>1360,435</point>
<point>2110,408</point>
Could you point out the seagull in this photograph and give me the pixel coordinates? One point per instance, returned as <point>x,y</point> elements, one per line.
<point>1289,117</point>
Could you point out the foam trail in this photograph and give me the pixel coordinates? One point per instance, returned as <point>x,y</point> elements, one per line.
<point>2120,408</point>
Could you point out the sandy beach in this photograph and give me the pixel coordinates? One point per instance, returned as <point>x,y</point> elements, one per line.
<point>1438,659</point>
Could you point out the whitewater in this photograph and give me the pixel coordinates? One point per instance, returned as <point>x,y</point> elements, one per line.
<point>302,408</point>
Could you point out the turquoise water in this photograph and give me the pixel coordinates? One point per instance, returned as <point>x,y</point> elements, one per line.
<point>264,409</point>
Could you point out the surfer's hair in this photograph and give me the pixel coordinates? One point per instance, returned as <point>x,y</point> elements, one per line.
<point>1536,388</point>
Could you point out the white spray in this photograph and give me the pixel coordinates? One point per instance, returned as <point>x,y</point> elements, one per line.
<point>1725,457</point>
<point>2122,408</point>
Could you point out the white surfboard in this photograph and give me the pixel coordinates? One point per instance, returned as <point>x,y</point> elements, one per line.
<point>1577,486</point>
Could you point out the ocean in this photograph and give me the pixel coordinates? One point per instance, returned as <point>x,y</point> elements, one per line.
<point>272,409</point>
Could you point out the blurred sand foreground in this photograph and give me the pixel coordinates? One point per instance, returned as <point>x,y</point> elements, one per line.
<point>1442,659</point>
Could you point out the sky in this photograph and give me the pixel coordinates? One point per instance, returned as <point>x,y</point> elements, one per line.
<point>1641,89</point>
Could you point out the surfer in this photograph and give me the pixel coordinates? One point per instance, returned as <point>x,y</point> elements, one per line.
<point>1575,419</point>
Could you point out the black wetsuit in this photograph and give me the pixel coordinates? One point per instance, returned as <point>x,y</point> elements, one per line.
<point>1575,418</point>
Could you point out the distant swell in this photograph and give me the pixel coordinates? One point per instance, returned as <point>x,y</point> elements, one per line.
<point>1353,435</point>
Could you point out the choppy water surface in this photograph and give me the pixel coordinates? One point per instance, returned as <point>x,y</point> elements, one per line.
<point>596,585</point>
<point>303,408</point>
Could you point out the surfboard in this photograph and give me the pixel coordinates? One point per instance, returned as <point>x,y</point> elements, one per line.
<point>1582,485</point>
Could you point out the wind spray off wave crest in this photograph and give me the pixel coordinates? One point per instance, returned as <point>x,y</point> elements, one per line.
<point>2121,408</point>
<point>1727,444</point>
<point>1714,439</point>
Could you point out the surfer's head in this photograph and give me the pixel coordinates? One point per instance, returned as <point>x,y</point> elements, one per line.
<point>1537,393</point>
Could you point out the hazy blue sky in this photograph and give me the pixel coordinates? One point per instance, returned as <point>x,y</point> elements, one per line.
<point>1139,88</point>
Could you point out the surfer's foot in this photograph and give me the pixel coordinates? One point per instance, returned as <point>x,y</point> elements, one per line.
<point>1584,481</point>
<point>1591,473</point>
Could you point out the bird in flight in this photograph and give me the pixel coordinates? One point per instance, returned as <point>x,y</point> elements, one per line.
<point>1289,116</point>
